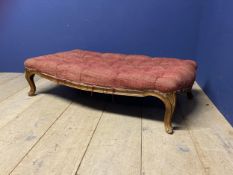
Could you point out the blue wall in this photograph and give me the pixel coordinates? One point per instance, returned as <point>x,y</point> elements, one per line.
<point>153,27</point>
<point>215,54</point>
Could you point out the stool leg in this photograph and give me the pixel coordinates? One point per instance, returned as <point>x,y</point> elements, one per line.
<point>30,79</point>
<point>169,100</point>
<point>170,104</point>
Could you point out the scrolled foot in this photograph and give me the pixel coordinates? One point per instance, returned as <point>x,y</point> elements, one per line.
<point>31,93</point>
<point>170,104</point>
<point>169,100</point>
<point>169,129</point>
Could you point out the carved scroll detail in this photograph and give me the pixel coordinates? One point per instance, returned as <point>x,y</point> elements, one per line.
<point>170,105</point>
<point>169,100</point>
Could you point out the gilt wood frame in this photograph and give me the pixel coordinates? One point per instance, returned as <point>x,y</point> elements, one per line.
<point>169,99</point>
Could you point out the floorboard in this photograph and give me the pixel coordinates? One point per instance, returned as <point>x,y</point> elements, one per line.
<point>12,86</point>
<point>5,77</point>
<point>69,132</point>
<point>20,135</point>
<point>210,132</point>
<point>167,154</point>
<point>20,101</point>
<point>116,144</point>
<point>61,149</point>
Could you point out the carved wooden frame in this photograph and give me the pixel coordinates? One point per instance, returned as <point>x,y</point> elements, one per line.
<point>169,99</point>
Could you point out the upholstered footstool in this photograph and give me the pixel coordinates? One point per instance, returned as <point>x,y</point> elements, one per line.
<point>120,74</point>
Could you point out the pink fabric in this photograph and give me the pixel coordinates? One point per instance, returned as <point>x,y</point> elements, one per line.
<point>137,72</point>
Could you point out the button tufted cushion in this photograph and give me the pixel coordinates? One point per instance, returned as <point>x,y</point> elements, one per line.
<point>137,72</point>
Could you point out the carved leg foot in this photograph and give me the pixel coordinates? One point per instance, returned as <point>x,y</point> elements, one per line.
<point>170,104</point>
<point>30,78</point>
<point>189,94</point>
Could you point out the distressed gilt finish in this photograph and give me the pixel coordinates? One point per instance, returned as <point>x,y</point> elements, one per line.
<point>169,99</point>
<point>29,75</point>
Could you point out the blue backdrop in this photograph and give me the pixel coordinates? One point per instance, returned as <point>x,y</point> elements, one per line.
<point>157,28</point>
<point>215,54</point>
<point>196,29</point>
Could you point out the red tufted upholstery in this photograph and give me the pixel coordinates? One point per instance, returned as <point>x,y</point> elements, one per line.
<point>117,70</point>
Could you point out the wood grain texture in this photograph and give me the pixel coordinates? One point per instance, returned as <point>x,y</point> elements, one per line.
<point>201,113</point>
<point>17,103</point>
<point>12,86</point>
<point>166,154</point>
<point>211,133</point>
<point>44,134</point>
<point>116,144</point>
<point>21,134</point>
<point>215,151</point>
<point>60,151</point>
<point>4,77</point>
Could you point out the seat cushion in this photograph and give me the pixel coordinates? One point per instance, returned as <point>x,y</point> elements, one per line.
<point>111,70</point>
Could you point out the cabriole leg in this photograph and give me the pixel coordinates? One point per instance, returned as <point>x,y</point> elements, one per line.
<point>30,78</point>
<point>170,104</point>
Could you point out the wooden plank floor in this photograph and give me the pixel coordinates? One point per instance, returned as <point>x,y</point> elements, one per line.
<point>63,131</point>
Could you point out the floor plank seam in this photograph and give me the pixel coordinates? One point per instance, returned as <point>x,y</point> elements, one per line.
<point>198,152</point>
<point>15,92</point>
<point>79,165</point>
<point>40,138</point>
<point>10,79</point>
<point>194,143</point>
<point>201,143</point>
<point>20,113</point>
